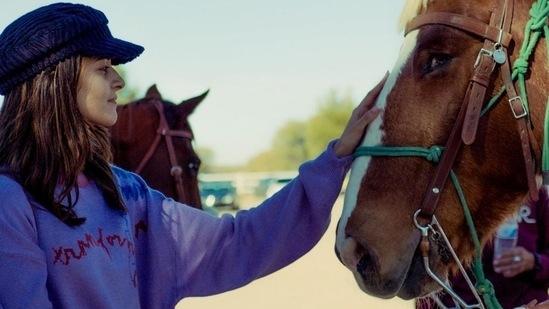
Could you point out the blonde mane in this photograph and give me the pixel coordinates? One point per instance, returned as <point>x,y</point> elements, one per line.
<point>411,9</point>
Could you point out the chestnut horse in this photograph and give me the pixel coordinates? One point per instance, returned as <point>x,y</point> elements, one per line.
<point>153,138</point>
<point>456,148</point>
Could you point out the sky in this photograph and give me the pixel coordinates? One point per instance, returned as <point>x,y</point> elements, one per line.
<point>264,62</point>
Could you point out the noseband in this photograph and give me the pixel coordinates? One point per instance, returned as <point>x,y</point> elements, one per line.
<point>164,131</point>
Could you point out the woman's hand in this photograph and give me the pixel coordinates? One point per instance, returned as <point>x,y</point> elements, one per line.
<point>534,304</point>
<point>514,262</point>
<point>362,115</point>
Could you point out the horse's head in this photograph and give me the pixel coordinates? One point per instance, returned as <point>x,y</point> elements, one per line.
<point>153,137</point>
<point>395,194</point>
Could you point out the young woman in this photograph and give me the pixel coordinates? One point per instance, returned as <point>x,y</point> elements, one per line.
<point>77,232</point>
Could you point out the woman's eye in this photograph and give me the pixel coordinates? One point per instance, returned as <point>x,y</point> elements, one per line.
<point>105,69</point>
<point>436,62</point>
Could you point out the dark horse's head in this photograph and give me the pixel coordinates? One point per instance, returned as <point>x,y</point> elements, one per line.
<point>153,137</point>
<point>451,64</point>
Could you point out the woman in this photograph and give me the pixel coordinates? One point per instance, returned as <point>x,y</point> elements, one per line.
<point>77,232</point>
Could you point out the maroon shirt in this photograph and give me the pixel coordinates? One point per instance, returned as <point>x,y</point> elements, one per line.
<point>521,289</point>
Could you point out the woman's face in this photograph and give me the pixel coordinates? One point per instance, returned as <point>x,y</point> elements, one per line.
<point>97,87</point>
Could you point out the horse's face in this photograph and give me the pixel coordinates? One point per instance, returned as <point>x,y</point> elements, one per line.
<point>377,238</point>
<point>135,134</point>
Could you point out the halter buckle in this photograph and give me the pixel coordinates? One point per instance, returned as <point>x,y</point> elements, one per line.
<point>482,52</point>
<point>518,107</point>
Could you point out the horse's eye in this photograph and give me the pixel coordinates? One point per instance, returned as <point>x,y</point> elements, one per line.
<point>435,62</point>
<point>194,165</point>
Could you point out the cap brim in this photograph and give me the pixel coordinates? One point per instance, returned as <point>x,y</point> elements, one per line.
<point>118,51</point>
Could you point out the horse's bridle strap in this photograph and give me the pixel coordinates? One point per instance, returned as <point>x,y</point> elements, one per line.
<point>432,196</point>
<point>464,23</point>
<point>521,115</point>
<point>469,114</point>
<point>164,131</point>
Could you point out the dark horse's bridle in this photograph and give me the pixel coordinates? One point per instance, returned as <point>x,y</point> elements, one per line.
<point>164,131</point>
<point>497,37</point>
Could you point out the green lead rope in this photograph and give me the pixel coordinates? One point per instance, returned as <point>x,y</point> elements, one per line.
<point>483,286</point>
<point>535,27</point>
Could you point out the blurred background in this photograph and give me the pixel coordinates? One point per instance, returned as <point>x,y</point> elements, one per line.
<point>281,74</point>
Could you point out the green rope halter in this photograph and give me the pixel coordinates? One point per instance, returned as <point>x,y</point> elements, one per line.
<point>535,27</point>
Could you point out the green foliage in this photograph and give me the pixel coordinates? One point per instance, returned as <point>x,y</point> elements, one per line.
<point>206,156</point>
<point>328,122</point>
<point>296,142</point>
<point>287,150</point>
<point>128,93</point>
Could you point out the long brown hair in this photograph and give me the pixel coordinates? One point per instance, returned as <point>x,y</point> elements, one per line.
<point>47,142</point>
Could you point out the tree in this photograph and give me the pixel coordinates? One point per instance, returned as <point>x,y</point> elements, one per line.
<point>128,93</point>
<point>296,141</point>
<point>328,122</point>
<point>206,156</point>
<point>287,150</point>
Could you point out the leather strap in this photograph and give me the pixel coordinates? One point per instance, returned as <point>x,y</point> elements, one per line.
<point>163,130</point>
<point>467,121</point>
<point>464,23</point>
<point>432,196</point>
<point>521,115</point>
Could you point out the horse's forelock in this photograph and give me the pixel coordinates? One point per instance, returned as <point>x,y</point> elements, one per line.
<point>411,9</point>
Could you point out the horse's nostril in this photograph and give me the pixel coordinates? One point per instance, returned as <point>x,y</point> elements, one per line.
<point>363,264</point>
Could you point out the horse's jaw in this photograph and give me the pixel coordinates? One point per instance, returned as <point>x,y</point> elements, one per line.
<point>407,280</point>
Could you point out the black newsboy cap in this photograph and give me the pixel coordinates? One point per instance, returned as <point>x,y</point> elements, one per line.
<point>53,33</point>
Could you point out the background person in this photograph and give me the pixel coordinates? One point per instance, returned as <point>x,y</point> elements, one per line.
<point>519,275</point>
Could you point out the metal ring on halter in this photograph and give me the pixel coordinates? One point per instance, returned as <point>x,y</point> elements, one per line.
<point>434,226</point>
<point>424,229</point>
<point>176,170</point>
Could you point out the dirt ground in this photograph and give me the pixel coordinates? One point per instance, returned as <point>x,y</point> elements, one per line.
<point>316,281</point>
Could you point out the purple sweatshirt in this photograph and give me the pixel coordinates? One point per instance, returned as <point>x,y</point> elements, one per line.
<point>160,251</point>
<point>521,289</point>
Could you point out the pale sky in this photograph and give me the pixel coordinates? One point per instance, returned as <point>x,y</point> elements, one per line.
<point>265,62</point>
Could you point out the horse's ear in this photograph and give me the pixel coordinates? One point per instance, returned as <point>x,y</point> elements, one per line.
<point>188,106</point>
<point>153,93</point>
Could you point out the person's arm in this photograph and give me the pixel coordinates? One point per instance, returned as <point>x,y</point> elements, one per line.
<point>198,254</point>
<point>23,270</point>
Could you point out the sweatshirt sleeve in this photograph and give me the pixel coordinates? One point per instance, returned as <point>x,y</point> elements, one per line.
<point>23,266</point>
<point>204,255</point>
<point>256,242</point>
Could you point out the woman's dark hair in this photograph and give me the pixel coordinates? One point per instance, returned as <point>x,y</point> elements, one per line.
<point>45,139</point>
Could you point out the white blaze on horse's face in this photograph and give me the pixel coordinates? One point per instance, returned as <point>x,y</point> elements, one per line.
<point>345,245</point>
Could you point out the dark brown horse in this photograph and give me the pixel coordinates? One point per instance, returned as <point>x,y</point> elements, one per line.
<point>153,138</point>
<point>471,79</point>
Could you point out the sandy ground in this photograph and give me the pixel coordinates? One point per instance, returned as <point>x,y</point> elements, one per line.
<point>316,281</point>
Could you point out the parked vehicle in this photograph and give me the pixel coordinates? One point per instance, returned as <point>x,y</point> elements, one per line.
<point>219,194</point>
<point>275,185</point>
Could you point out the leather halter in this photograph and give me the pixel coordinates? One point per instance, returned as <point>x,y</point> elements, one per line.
<point>496,36</point>
<point>164,131</point>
